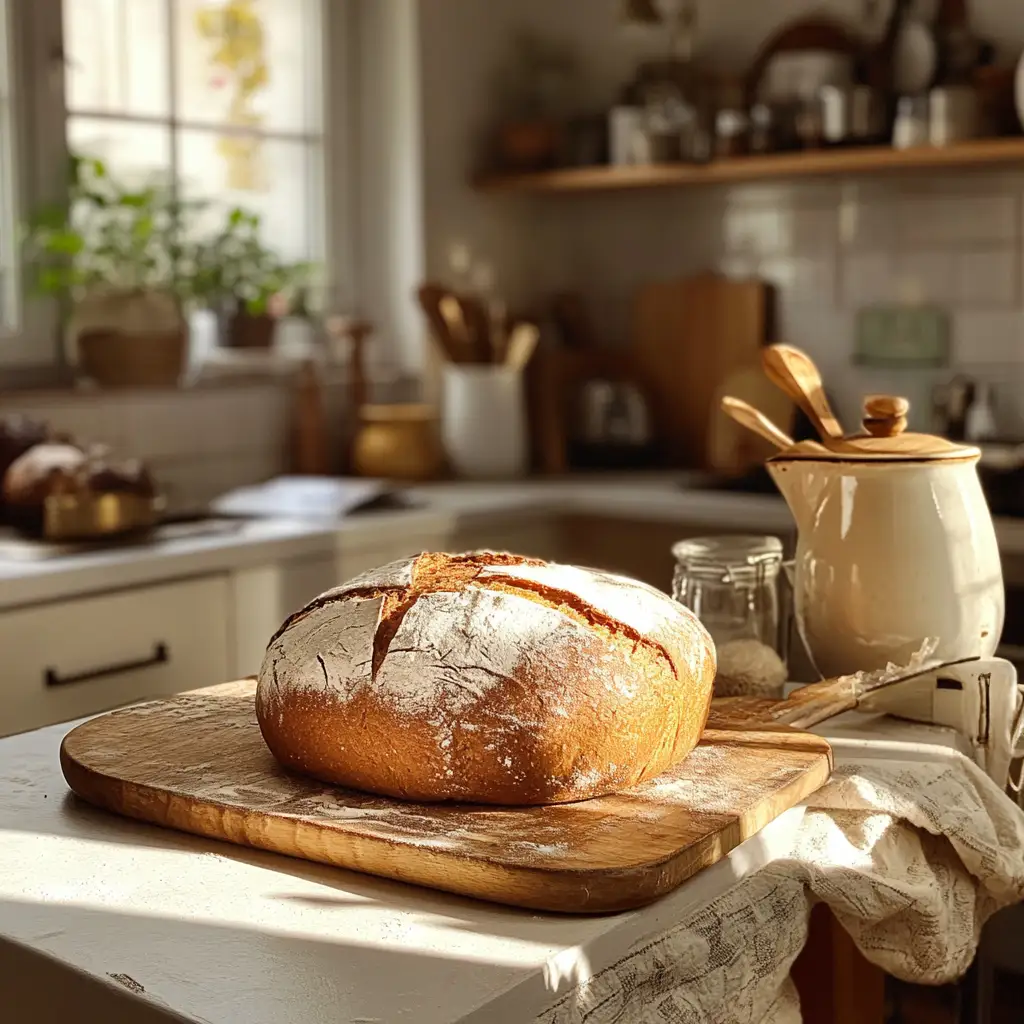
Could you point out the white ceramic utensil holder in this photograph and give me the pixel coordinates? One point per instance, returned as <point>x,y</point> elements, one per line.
<point>484,421</point>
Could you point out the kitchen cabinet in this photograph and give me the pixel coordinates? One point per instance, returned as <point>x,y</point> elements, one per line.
<point>263,597</point>
<point>78,657</point>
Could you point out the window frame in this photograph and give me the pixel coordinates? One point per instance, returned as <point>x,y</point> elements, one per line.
<point>41,151</point>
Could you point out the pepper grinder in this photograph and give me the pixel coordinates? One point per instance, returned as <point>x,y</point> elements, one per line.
<point>310,455</point>
<point>356,332</point>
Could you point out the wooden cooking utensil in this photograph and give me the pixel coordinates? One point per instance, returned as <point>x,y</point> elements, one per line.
<point>455,322</point>
<point>755,420</point>
<point>430,296</point>
<point>795,373</point>
<point>497,328</point>
<point>521,345</point>
<point>477,318</point>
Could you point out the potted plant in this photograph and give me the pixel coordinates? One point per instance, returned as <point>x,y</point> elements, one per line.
<point>114,258</point>
<point>248,285</point>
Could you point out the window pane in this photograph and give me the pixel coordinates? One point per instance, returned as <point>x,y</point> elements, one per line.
<point>270,177</point>
<point>249,63</point>
<point>135,154</point>
<point>9,312</point>
<point>117,53</point>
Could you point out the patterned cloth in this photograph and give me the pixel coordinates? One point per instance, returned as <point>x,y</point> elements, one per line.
<point>912,858</point>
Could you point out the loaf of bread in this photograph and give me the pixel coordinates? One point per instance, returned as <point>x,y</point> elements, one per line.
<point>486,678</point>
<point>43,470</point>
<point>47,470</point>
<point>17,435</point>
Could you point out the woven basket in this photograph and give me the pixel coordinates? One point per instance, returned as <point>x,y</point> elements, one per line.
<point>117,360</point>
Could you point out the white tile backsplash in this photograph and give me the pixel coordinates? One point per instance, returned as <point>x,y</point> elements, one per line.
<point>923,277</point>
<point>988,336</point>
<point>829,247</point>
<point>758,229</point>
<point>866,278</point>
<point>953,241</point>
<point>987,278</point>
<point>957,219</point>
<point>803,275</point>
<point>865,224</point>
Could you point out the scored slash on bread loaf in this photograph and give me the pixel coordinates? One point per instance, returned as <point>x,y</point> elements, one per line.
<point>488,678</point>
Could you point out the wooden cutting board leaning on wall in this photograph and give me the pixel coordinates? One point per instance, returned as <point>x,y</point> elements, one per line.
<point>689,335</point>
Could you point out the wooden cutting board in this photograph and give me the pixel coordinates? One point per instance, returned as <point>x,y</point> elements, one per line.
<point>688,336</point>
<point>198,763</point>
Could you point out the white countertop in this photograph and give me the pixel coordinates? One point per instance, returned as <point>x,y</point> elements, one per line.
<point>197,930</point>
<point>443,508</point>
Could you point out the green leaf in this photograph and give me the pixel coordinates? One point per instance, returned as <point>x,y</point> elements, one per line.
<point>65,243</point>
<point>142,229</point>
<point>53,280</point>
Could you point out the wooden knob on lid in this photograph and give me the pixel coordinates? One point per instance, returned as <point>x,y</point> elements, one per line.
<point>885,415</point>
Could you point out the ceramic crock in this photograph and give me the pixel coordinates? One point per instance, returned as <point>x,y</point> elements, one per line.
<point>896,548</point>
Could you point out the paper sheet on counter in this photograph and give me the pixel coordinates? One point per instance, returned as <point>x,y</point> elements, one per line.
<point>301,497</point>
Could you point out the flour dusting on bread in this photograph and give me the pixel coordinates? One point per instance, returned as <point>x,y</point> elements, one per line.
<point>486,678</point>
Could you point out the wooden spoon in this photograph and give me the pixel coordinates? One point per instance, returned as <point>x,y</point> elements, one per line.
<point>521,344</point>
<point>753,419</point>
<point>795,373</point>
<point>455,321</point>
<point>430,296</point>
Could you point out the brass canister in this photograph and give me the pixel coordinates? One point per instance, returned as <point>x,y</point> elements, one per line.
<point>398,442</point>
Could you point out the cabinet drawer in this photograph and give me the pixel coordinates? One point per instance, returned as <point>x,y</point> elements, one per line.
<point>79,657</point>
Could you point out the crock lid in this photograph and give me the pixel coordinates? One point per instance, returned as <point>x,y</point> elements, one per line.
<point>883,439</point>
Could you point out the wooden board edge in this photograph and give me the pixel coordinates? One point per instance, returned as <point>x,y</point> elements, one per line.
<point>569,892</point>
<point>599,891</point>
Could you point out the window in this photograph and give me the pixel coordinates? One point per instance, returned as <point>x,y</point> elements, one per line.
<point>230,100</point>
<point>222,97</point>
<point>9,286</point>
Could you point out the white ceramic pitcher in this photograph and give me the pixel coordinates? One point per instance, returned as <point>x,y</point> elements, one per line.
<point>896,547</point>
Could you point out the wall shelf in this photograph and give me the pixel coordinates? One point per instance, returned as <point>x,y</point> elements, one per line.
<point>978,154</point>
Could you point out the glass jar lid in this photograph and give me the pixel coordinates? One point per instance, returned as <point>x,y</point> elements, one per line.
<point>729,557</point>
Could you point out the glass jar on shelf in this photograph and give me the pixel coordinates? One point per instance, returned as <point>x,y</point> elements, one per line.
<point>731,583</point>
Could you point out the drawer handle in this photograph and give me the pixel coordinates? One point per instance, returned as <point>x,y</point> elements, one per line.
<point>161,656</point>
